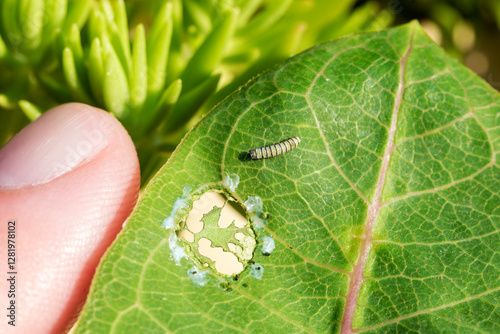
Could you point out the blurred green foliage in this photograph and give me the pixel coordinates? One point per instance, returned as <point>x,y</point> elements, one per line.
<point>468,30</point>
<point>158,66</point>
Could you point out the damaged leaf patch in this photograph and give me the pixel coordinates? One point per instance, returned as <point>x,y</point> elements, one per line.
<point>217,233</point>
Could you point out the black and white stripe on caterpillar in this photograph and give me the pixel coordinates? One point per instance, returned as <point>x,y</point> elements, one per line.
<point>273,150</point>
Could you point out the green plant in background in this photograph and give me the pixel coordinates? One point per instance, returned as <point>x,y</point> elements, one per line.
<point>464,28</point>
<point>159,65</point>
<point>30,44</point>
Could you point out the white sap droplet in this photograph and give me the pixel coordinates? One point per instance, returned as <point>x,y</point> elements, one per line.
<point>179,203</point>
<point>254,204</point>
<point>256,271</point>
<point>231,181</point>
<point>197,276</point>
<point>177,251</point>
<point>267,244</point>
<point>259,222</point>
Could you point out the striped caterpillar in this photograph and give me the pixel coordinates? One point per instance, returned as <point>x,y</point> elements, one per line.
<point>273,150</point>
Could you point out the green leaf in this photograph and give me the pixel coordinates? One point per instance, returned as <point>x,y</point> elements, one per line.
<point>265,20</point>
<point>199,16</point>
<point>247,11</point>
<point>55,87</point>
<point>30,110</point>
<point>384,219</point>
<point>116,93</point>
<point>72,77</point>
<point>163,16</point>
<point>96,69</point>
<point>117,31</point>
<point>3,49</point>
<point>352,22</point>
<point>122,25</point>
<point>54,15</point>
<point>208,55</point>
<point>170,96</point>
<point>97,25</point>
<point>189,103</point>
<point>78,12</point>
<point>73,42</point>
<point>10,25</point>
<point>139,79</point>
<point>176,59</point>
<point>31,22</point>
<point>158,45</point>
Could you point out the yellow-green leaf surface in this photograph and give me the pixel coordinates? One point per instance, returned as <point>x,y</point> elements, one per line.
<point>385,218</point>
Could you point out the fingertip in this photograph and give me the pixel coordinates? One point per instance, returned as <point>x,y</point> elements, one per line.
<point>73,179</point>
<point>57,142</point>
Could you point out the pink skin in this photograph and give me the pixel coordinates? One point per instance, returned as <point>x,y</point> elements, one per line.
<point>69,180</point>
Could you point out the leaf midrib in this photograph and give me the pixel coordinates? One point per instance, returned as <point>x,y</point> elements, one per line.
<point>356,278</point>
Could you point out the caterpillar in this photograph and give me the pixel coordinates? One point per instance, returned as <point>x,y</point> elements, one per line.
<point>273,150</point>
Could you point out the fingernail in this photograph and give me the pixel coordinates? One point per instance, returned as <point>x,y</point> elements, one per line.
<point>59,141</point>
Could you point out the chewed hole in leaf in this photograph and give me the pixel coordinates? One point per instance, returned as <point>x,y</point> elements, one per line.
<point>217,233</point>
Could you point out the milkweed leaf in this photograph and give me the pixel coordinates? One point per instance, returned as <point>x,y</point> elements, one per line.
<point>384,219</point>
